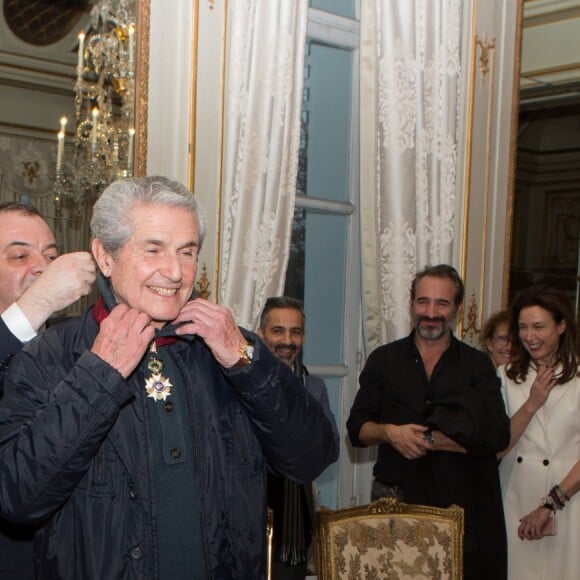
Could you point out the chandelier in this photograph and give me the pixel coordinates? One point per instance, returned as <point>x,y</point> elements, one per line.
<point>104,135</point>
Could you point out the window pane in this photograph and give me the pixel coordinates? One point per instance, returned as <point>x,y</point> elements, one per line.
<point>342,7</point>
<point>316,275</point>
<point>324,265</point>
<point>295,270</point>
<point>326,121</point>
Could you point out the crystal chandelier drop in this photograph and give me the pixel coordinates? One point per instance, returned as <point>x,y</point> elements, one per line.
<point>104,108</point>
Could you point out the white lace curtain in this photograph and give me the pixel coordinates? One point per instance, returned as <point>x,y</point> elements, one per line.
<point>410,103</point>
<point>264,80</point>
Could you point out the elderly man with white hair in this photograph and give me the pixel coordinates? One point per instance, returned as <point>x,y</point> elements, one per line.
<point>140,434</point>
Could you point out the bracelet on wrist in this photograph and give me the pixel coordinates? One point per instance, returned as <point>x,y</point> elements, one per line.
<point>562,493</point>
<point>546,502</point>
<point>556,500</point>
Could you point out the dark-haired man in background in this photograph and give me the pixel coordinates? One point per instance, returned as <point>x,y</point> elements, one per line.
<point>35,283</point>
<point>433,406</point>
<point>282,329</point>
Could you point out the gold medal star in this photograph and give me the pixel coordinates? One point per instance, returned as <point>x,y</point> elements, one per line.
<point>158,387</point>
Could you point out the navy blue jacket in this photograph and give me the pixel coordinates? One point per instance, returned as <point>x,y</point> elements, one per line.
<point>74,445</point>
<point>9,346</point>
<point>15,541</point>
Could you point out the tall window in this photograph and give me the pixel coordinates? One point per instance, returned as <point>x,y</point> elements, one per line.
<point>323,269</point>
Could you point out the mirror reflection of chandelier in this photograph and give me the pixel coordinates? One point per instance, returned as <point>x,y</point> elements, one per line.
<point>104,108</point>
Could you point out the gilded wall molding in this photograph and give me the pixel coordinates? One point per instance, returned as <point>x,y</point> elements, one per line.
<point>481,103</point>
<point>513,154</point>
<point>486,65</point>
<point>494,41</point>
<point>142,85</point>
<point>193,96</point>
<point>485,47</point>
<point>206,118</point>
<point>471,332</point>
<point>217,263</point>
<point>203,283</point>
<point>470,98</point>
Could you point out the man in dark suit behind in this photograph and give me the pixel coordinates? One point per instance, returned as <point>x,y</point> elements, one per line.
<point>35,283</point>
<point>282,329</point>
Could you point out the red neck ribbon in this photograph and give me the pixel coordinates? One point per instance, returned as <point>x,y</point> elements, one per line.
<point>100,312</point>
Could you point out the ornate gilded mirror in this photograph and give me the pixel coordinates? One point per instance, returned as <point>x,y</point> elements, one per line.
<point>546,217</point>
<point>42,63</point>
<point>43,60</point>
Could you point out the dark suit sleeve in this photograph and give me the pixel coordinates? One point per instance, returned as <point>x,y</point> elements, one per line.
<point>9,346</point>
<point>317,389</point>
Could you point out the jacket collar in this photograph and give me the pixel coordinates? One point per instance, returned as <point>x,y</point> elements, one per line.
<point>107,301</point>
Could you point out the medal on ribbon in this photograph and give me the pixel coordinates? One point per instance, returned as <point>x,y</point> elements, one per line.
<point>157,386</point>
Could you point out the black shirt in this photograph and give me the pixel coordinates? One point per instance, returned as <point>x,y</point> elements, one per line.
<point>462,399</point>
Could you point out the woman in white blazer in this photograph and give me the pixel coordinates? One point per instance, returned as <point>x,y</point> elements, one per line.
<point>542,391</point>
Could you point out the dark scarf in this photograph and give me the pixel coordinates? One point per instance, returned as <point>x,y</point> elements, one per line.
<point>292,526</point>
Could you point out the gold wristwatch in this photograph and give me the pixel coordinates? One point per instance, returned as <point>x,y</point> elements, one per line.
<point>246,355</point>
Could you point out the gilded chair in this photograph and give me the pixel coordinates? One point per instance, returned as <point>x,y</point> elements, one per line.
<point>391,540</point>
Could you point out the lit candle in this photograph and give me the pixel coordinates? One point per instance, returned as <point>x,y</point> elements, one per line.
<point>131,48</point>
<point>130,152</point>
<point>95,127</point>
<point>63,121</point>
<point>59,151</point>
<point>80,63</point>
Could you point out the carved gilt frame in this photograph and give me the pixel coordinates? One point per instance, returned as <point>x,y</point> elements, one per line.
<point>142,85</point>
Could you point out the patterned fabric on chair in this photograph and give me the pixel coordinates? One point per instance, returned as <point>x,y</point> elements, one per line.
<point>388,539</point>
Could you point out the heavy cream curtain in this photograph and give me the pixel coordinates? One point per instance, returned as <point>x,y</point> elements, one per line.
<point>410,103</point>
<point>264,80</point>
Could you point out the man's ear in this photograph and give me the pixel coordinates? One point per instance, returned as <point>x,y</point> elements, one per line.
<point>260,333</point>
<point>102,257</point>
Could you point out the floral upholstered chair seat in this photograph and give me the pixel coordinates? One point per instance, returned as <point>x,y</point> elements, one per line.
<point>390,540</point>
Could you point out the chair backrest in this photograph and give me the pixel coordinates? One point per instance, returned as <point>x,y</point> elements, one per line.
<point>388,539</point>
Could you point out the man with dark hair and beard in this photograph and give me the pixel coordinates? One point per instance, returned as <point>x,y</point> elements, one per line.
<point>282,329</point>
<point>433,406</point>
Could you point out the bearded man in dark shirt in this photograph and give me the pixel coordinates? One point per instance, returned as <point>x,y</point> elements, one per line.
<point>433,405</point>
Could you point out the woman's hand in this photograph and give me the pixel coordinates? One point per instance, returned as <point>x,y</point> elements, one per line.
<point>541,387</point>
<point>536,524</point>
